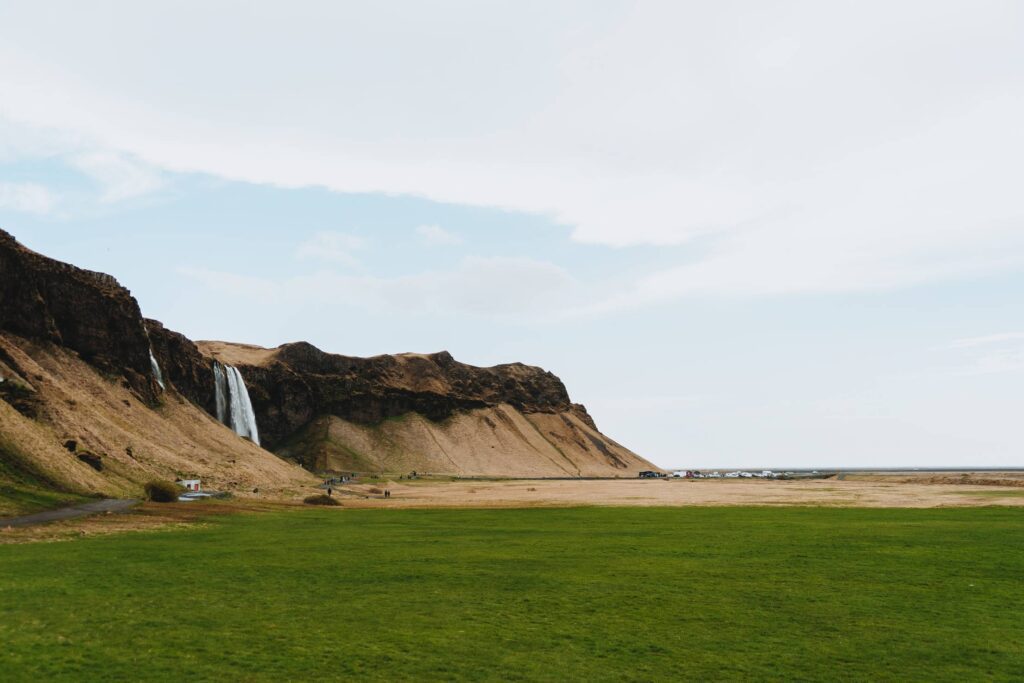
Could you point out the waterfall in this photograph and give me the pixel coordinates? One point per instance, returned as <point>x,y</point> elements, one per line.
<point>232,400</point>
<point>157,375</point>
<point>243,419</point>
<point>220,389</point>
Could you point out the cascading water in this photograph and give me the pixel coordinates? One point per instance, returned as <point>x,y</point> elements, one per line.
<point>220,389</point>
<point>157,375</point>
<point>232,402</point>
<point>243,419</point>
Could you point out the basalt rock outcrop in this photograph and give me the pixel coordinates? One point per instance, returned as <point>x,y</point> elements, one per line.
<point>189,371</point>
<point>295,382</point>
<point>81,310</point>
<point>426,412</point>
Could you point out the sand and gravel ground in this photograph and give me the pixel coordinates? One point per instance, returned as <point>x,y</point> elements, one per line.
<point>904,492</point>
<point>877,491</point>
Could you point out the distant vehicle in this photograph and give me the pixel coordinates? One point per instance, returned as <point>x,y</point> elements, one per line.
<point>648,474</point>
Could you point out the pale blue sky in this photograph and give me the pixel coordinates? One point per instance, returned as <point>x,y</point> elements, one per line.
<point>747,235</point>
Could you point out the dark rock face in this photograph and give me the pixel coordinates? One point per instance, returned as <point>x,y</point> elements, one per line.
<point>302,382</point>
<point>188,370</point>
<point>87,312</point>
<point>93,315</point>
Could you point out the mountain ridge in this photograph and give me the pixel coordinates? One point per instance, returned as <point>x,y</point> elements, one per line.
<point>391,412</point>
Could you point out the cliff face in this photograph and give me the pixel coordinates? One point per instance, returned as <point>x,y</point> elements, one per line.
<point>87,312</point>
<point>409,411</point>
<point>186,369</point>
<point>294,383</point>
<point>424,412</point>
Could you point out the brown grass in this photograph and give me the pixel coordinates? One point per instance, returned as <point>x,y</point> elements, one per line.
<point>652,492</point>
<point>138,443</point>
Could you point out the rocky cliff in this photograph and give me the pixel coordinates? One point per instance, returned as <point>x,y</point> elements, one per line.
<point>80,409</point>
<point>424,412</point>
<point>393,413</point>
<point>87,312</point>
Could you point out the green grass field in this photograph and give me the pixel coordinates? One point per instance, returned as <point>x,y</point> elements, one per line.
<point>541,594</point>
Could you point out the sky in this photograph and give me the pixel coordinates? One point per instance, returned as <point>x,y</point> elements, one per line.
<point>745,234</point>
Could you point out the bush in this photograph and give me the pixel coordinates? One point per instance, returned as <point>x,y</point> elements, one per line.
<point>321,499</point>
<point>162,492</point>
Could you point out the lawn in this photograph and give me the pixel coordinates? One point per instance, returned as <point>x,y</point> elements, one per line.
<point>535,594</point>
<point>21,499</point>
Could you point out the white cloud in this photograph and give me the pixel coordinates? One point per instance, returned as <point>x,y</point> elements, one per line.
<point>972,342</point>
<point>249,287</point>
<point>490,288</point>
<point>815,146</point>
<point>994,353</point>
<point>26,197</point>
<point>119,177</point>
<point>332,247</point>
<point>436,235</point>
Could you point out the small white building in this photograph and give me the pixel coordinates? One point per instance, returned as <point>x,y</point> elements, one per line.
<point>191,484</point>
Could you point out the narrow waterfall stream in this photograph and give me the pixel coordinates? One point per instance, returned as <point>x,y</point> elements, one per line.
<point>220,389</point>
<point>157,375</point>
<point>234,408</point>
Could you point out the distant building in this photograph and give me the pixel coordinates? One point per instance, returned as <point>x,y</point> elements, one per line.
<point>191,484</point>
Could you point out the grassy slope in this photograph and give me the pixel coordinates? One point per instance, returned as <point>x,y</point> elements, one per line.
<point>24,490</point>
<point>586,593</point>
<point>138,443</point>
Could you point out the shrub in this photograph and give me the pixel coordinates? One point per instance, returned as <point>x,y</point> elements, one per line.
<point>321,499</point>
<point>162,491</point>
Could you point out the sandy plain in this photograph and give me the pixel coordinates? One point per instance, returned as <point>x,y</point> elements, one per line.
<point>861,491</point>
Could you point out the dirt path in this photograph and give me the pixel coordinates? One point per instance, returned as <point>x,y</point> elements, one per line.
<point>82,510</point>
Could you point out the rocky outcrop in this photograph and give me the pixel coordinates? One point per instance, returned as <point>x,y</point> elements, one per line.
<point>457,412</point>
<point>87,312</point>
<point>423,412</point>
<point>294,383</point>
<point>189,371</point>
